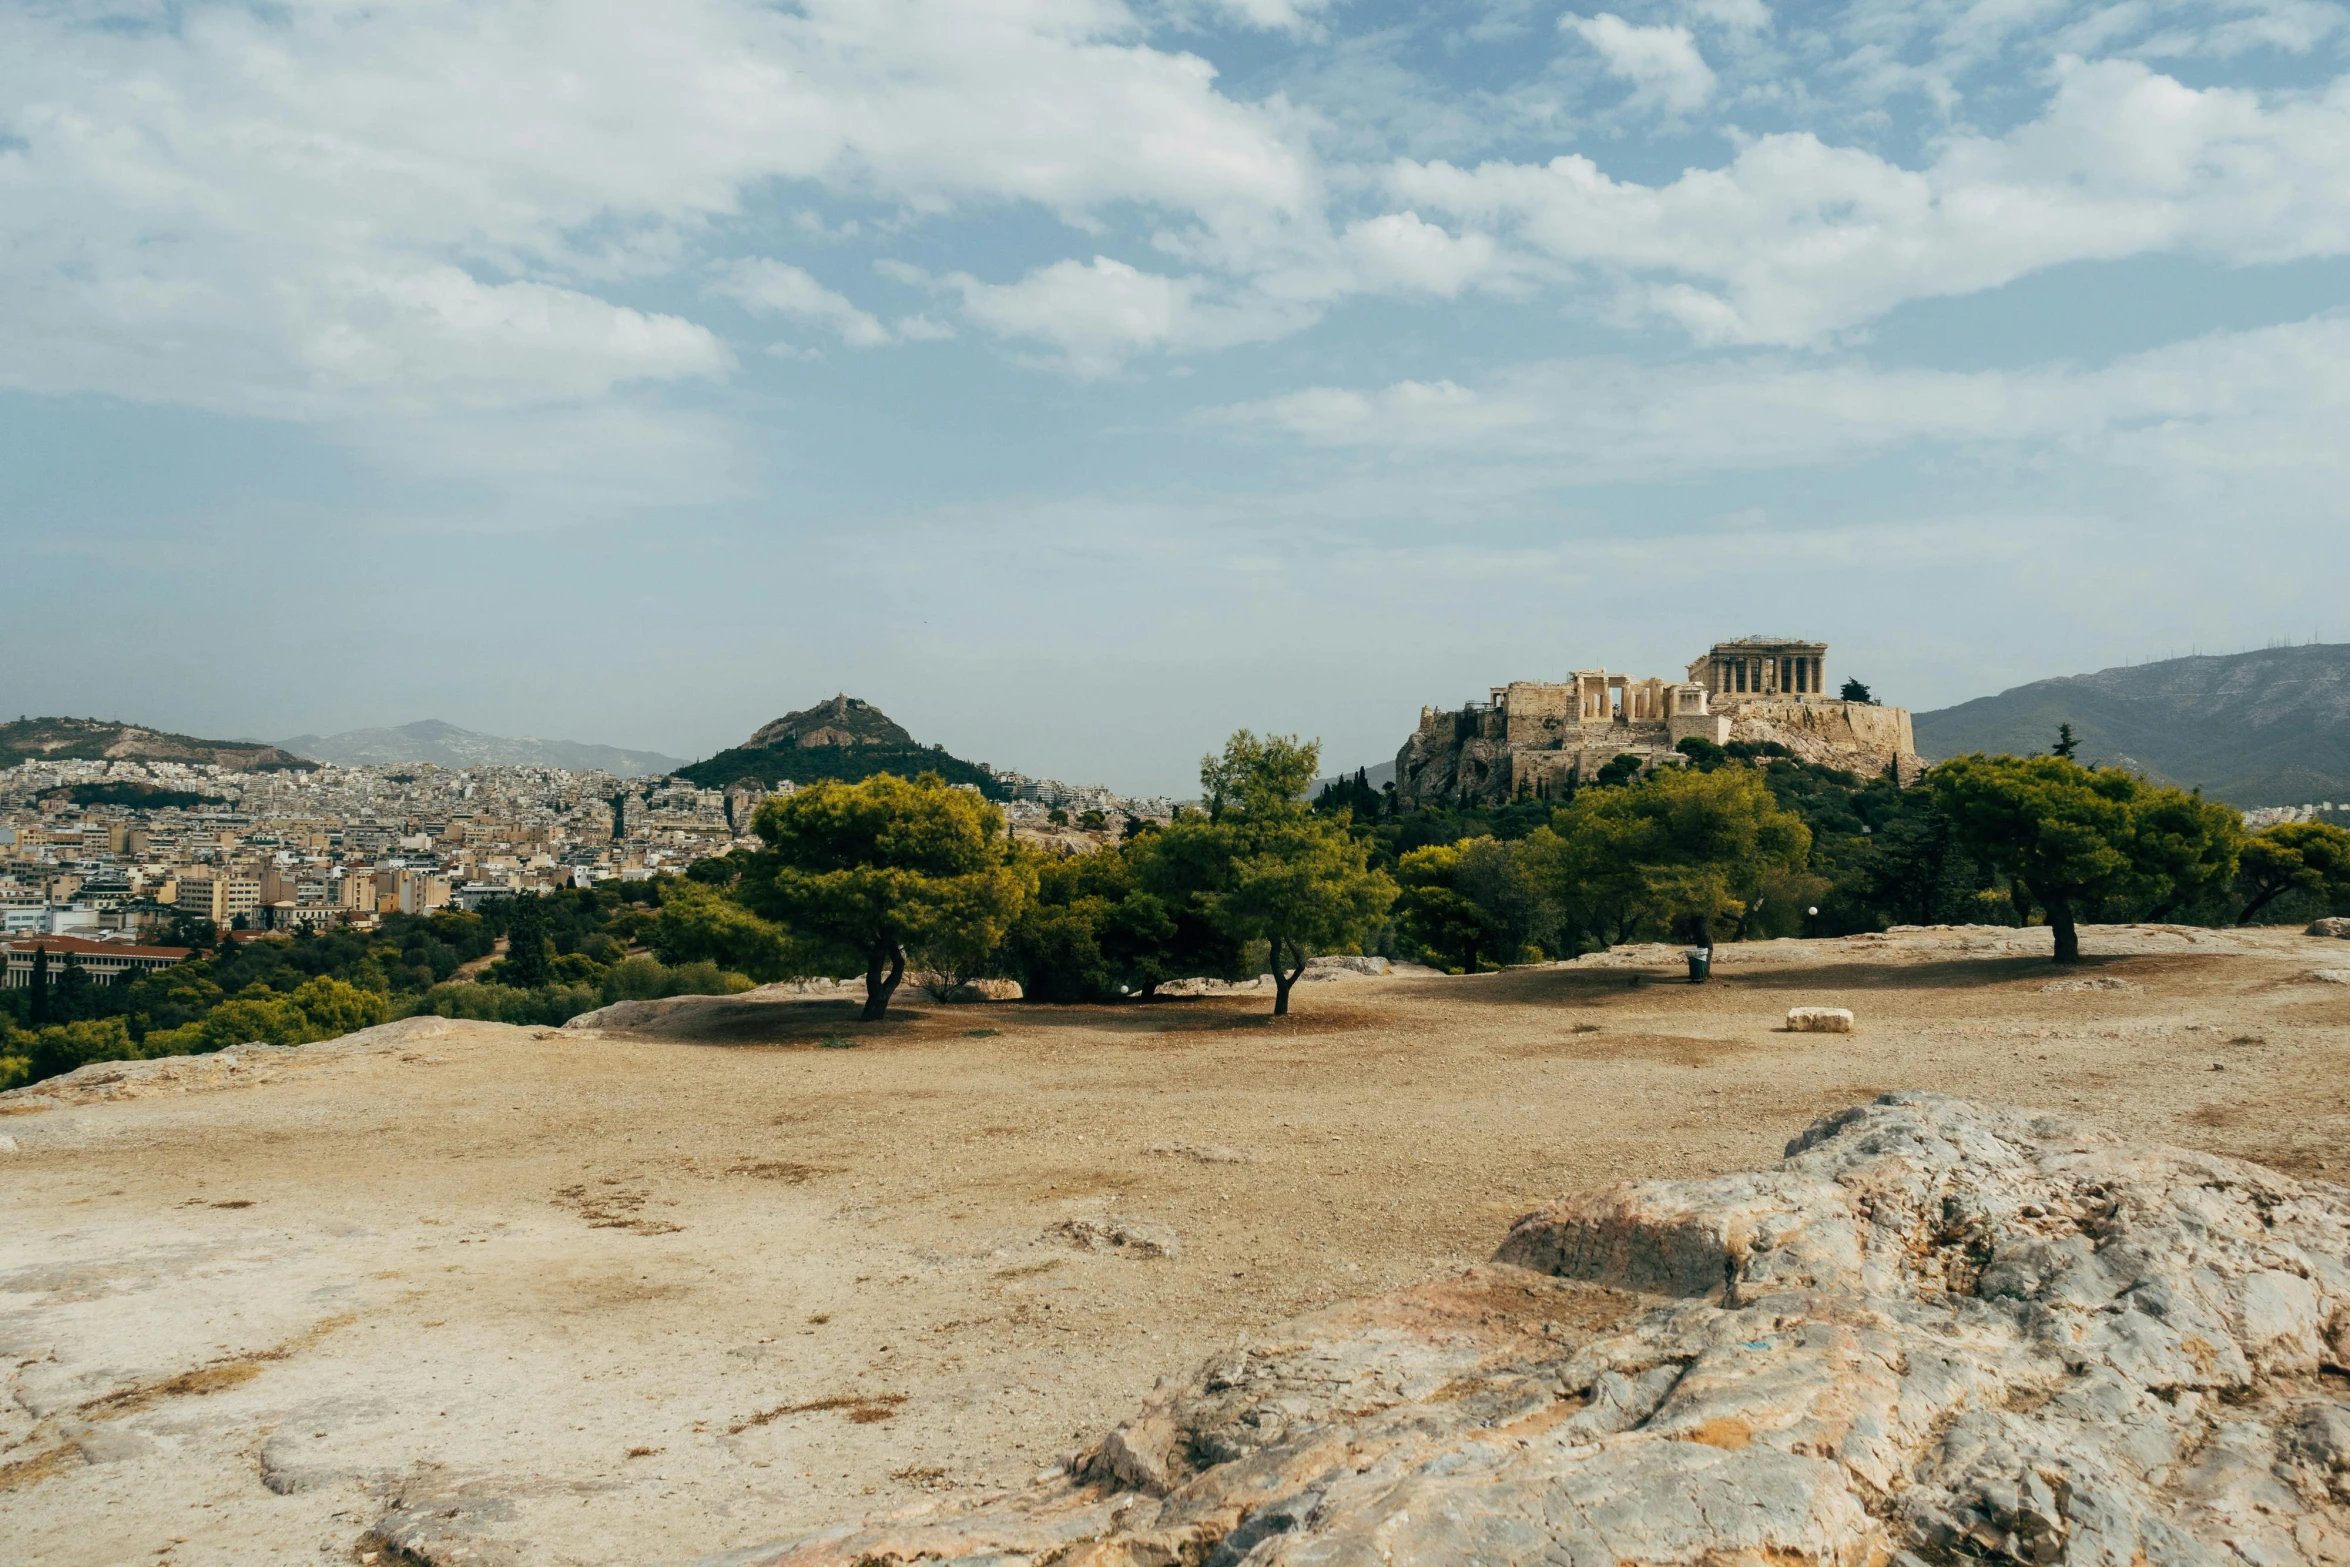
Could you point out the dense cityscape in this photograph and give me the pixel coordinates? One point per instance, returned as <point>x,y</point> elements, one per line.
<point>119,851</point>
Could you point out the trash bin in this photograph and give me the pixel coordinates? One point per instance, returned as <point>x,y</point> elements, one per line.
<point>1701,964</point>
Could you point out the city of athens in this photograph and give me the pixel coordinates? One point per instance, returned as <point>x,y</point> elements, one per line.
<point>1174,783</point>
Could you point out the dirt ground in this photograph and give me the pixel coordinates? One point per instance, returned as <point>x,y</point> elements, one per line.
<point>650,1297</point>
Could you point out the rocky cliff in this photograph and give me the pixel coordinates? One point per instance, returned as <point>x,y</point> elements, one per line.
<point>1934,1333</point>
<point>1855,736</point>
<point>845,720</point>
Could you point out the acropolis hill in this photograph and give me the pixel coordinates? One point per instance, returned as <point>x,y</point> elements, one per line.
<point>1539,737</point>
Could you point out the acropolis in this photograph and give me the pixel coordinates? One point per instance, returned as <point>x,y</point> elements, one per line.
<point>1539,737</point>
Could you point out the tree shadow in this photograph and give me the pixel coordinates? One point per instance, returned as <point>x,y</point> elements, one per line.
<point>1598,986</point>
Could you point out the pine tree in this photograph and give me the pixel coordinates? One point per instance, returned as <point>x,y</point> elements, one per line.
<point>2065,745</point>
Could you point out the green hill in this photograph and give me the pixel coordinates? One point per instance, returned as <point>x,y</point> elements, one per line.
<point>102,740</point>
<point>844,738</point>
<point>2264,728</point>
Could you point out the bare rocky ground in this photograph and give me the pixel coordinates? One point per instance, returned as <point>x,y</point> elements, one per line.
<point>488,1295</point>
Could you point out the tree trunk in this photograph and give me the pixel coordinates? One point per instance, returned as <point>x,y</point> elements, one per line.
<point>879,987</point>
<point>2267,895</point>
<point>2059,909</point>
<point>1283,979</point>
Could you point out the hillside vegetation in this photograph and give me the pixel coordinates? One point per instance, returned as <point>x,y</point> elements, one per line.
<point>2265,728</point>
<point>844,739</point>
<point>96,740</point>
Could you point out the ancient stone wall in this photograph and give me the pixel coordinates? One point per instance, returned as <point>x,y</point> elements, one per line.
<point>1855,736</point>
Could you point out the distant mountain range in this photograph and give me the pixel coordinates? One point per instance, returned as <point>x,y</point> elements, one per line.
<point>98,739</point>
<point>845,738</point>
<point>2265,728</point>
<point>446,745</point>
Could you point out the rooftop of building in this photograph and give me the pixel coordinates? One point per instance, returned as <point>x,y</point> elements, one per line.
<point>59,946</point>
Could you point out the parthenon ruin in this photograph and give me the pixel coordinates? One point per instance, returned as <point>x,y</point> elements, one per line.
<point>1762,666</point>
<point>1538,738</point>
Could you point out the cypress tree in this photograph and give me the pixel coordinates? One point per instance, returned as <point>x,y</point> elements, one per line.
<point>528,965</point>
<point>38,1014</point>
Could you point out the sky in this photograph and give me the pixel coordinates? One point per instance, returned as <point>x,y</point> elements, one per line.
<point>1080,381</point>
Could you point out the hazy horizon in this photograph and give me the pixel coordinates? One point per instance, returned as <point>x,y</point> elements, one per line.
<point>1079,381</point>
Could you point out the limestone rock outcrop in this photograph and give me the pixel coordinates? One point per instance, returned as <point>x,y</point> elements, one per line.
<point>1935,1332</point>
<point>1857,736</point>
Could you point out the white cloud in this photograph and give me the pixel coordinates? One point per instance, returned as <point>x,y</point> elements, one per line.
<point>281,210</point>
<point>1098,314</point>
<point>776,288</point>
<point>1401,252</point>
<point>1795,240</point>
<point>1742,16</point>
<point>1662,63</point>
<point>2270,401</point>
<point>303,212</point>
<point>1287,16</point>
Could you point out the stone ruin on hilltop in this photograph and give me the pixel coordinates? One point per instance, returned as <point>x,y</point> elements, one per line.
<point>1537,737</point>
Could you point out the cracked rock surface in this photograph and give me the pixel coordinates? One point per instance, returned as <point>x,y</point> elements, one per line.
<point>1936,1332</point>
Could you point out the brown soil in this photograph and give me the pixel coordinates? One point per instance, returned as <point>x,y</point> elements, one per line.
<point>804,1284</point>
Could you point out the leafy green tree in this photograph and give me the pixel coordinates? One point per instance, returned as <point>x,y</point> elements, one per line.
<point>1298,882</point>
<point>1435,914</point>
<point>1472,899</point>
<point>320,1009</point>
<point>2294,857</point>
<point>61,1047</point>
<point>1683,846</point>
<point>698,923</point>
<point>1621,770</point>
<point>1703,754</point>
<point>1919,876</point>
<point>529,953</point>
<point>2185,848</point>
<point>1170,930</point>
<point>865,873</point>
<point>2065,745</point>
<point>1854,691</point>
<point>2076,837</point>
<point>1065,945</point>
<point>74,999</point>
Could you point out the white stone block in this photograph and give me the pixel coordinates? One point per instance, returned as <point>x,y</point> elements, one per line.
<point>1819,1020</point>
